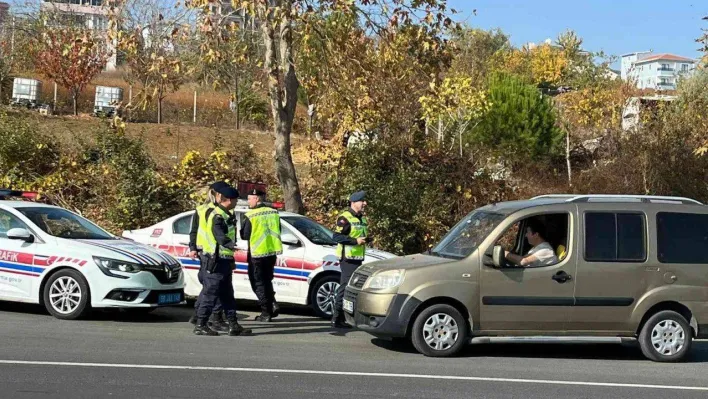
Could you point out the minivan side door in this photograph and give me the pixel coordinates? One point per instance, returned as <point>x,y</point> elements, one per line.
<point>613,271</point>
<point>529,299</point>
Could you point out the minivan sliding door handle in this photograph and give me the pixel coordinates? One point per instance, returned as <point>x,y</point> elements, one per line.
<point>561,277</point>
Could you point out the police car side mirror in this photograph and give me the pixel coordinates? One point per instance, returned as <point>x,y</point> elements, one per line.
<point>289,239</point>
<point>20,234</point>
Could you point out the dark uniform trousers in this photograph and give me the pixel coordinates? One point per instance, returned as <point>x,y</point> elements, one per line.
<point>217,287</point>
<point>260,275</point>
<point>347,268</point>
<point>200,277</point>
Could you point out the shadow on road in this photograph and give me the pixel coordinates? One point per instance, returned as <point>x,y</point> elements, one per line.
<point>699,351</point>
<point>171,314</point>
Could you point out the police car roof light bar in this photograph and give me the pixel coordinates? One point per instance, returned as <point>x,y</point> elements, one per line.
<point>6,192</point>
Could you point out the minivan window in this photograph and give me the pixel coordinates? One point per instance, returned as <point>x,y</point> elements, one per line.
<point>682,237</point>
<point>467,234</point>
<point>615,237</point>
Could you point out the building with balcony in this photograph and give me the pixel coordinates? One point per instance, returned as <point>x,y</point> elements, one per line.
<point>88,13</point>
<point>658,72</point>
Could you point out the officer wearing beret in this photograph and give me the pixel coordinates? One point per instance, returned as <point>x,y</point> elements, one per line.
<point>218,249</point>
<point>351,234</point>
<point>261,229</point>
<point>197,236</point>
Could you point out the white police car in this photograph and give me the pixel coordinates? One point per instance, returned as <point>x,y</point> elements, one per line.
<point>307,273</point>
<point>52,256</point>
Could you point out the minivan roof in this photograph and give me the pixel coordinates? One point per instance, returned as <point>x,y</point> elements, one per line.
<point>508,207</point>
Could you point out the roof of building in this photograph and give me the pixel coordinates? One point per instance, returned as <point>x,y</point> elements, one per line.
<point>664,57</point>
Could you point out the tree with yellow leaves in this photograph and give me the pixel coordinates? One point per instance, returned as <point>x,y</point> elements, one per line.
<point>456,105</point>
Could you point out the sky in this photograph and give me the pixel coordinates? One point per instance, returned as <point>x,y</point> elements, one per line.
<point>615,27</point>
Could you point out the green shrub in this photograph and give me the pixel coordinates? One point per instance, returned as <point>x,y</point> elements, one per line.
<point>25,153</point>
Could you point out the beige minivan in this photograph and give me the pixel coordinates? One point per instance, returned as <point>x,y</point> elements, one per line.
<point>603,268</point>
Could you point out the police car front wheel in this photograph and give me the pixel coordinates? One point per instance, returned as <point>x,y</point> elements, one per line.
<point>66,295</point>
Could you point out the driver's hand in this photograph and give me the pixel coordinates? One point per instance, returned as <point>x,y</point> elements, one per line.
<point>361,240</point>
<point>193,254</point>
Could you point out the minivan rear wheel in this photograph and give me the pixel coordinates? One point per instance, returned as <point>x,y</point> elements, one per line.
<point>666,337</point>
<point>439,331</point>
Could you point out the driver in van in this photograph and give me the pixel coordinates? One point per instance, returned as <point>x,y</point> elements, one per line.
<point>541,253</point>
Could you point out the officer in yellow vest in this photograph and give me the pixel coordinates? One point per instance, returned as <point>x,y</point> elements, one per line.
<point>199,222</point>
<point>218,241</point>
<point>351,234</point>
<point>261,228</point>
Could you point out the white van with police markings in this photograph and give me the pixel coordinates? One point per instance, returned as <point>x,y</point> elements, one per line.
<point>54,257</point>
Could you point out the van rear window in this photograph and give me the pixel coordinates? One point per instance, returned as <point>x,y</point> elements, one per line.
<point>615,237</point>
<point>682,237</point>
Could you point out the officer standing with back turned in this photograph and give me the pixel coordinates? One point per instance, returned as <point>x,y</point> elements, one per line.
<point>218,248</point>
<point>197,238</point>
<point>350,233</point>
<point>261,228</point>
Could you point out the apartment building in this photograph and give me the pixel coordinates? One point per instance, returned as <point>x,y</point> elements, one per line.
<point>656,71</point>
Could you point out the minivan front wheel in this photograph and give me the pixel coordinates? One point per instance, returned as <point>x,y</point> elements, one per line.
<point>666,337</point>
<point>439,331</point>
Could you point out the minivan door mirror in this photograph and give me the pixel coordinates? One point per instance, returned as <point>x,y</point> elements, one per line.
<point>20,234</point>
<point>498,256</point>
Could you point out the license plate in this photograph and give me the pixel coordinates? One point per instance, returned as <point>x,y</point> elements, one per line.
<point>164,299</point>
<point>348,306</point>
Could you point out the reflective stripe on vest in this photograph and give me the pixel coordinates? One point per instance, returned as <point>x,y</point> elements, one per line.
<point>203,228</point>
<point>210,245</point>
<point>265,232</point>
<point>359,228</point>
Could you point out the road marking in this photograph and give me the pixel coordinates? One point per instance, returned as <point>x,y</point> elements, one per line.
<point>352,373</point>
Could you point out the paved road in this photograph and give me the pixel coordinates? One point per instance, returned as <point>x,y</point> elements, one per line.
<point>119,355</point>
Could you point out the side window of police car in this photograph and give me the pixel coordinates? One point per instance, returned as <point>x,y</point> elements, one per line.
<point>9,221</point>
<point>182,225</point>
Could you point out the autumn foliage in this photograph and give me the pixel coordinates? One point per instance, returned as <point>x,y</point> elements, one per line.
<point>70,56</point>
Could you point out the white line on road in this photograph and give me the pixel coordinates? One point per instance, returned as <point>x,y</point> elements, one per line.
<point>352,373</point>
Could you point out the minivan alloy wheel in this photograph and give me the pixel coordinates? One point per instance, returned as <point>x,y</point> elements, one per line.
<point>668,337</point>
<point>440,331</point>
<point>65,295</point>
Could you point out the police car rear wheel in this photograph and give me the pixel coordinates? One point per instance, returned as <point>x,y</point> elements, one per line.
<point>323,296</point>
<point>66,295</point>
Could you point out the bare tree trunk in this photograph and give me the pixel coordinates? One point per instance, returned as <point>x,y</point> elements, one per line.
<point>75,100</point>
<point>283,105</point>
<point>237,100</point>
<point>159,107</point>
<point>567,157</point>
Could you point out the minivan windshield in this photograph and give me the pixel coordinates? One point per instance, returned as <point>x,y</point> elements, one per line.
<point>467,234</point>
<point>64,224</point>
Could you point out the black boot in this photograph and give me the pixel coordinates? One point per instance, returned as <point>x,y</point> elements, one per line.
<point>264,317</point>
<point>203,329</point>
<point>338,321</point>
<point>217,322</point>
<point>236,329</point>
<point>276,310</point>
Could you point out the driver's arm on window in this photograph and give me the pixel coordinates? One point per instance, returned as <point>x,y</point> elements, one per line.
<point>520,260</point>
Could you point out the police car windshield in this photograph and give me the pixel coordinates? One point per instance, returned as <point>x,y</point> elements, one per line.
<point>466,236</point>
<point>315,232</point>
<point>64,224</point>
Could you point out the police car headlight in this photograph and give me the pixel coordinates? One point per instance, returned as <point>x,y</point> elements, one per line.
<point>108,265</point>
<point>384,280</point>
